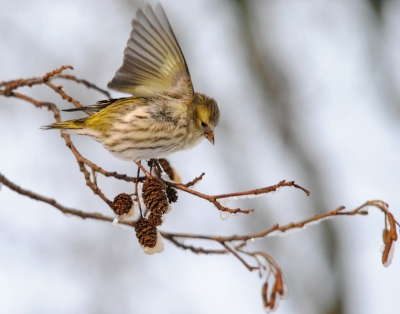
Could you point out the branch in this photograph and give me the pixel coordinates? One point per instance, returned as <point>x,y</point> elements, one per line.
<point>216,199</point>
<point>54,203</point>
<point>161,192</point>
<point>14,84</point>
<point>84,82</point>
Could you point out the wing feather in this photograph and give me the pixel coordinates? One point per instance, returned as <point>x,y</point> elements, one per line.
<point>153,61</point>
<point>98,106</point>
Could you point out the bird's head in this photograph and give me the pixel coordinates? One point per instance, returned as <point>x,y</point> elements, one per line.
<point>205,115</point>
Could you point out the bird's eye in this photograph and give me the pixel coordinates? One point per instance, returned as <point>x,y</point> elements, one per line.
<point>203,124</point>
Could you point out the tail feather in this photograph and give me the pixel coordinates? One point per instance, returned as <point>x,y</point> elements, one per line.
<point>67,125</point>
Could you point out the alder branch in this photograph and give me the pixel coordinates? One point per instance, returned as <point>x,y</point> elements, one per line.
<point>198,250</point>
<point>161,193</point>
<point>14,84</point>
<point>84,82</point>
<point>195,180</point>
<point>214,198</point>
<point>361,210</point>
<point>65,210</point>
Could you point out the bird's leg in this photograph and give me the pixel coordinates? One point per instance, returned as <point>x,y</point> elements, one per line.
<point>159,167</point>
<point>137,190</point>
<point>143,169</point>
<point>151,164</point>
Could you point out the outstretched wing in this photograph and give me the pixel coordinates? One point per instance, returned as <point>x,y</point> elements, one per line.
<point>153,61</point>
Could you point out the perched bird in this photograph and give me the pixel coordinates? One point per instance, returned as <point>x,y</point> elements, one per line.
<point>164,115</point>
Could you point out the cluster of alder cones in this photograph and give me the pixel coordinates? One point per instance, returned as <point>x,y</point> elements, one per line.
<point>157,196</point>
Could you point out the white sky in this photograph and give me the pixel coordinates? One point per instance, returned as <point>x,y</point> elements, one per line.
<point>339,67</point>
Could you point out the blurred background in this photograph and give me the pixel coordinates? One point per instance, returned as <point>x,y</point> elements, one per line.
<point>308,91</point>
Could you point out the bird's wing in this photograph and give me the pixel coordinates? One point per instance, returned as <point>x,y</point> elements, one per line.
<point>153,61</point>
<point>97,107</point>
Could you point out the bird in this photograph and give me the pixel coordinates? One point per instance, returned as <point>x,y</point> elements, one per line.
<point>164,114</point>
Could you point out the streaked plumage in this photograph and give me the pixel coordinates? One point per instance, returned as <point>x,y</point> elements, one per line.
<point>164,115</point>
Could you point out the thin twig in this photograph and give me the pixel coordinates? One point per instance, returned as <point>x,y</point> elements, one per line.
<point>234,244</point>
<point>195,181</point>
<point>84,82</point>
<point>248,266</point>
<point>52,202</point>
<point>14,84</point>
<point>197,250</point>
<point>65,96</point>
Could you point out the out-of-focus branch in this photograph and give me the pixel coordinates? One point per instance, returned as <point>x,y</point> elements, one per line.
<point>276,86</point>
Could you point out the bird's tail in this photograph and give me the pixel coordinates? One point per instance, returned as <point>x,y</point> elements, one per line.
<point>67,125</point>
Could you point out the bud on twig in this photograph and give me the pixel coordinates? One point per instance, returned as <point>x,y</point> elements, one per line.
<point>172,194</point>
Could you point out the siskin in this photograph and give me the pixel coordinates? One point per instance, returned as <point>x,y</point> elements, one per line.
<point>164,115</point>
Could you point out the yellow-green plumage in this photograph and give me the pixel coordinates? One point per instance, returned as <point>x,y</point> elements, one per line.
<point>164,115</point>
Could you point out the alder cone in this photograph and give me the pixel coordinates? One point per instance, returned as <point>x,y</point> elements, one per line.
<point>154,195</point>
<point>146,233</point>
<point>155,220</point>
<point>122,204</point>
<point>164,163</point>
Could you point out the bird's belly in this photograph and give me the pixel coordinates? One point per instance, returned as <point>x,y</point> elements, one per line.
<point>140,154</point>
<point>141,143</point>
<point>157,146</point>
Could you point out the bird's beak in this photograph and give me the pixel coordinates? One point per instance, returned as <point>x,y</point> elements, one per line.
<point>210,136</point>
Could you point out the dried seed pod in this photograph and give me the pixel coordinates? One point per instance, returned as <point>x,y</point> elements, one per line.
<point>122,204</point>
<point>172,194</point>
<point>167,168</point>
<point>155,220</point>
<point>170,171</point>
<point>154,196</point>
<point>146,233</point>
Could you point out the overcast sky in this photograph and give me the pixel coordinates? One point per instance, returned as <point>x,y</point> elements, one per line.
<point>322,109</point>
